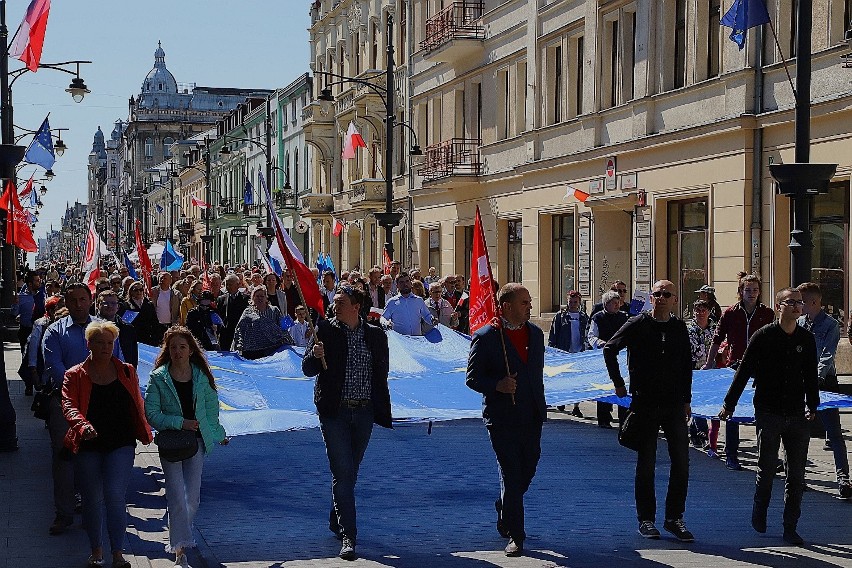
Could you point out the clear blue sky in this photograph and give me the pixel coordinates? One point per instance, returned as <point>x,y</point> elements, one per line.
<point>215,43</point>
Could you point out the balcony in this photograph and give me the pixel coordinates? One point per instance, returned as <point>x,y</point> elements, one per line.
<point>455,33</point>
<point>233,209</point>
<point>317,204</point>
<point>318,127</point>
<point>450,158</point>
<point>363,195</point>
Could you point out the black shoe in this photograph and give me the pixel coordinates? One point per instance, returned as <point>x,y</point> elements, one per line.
<point>60,525</point>
<point>514,548</point>
<point>606,426</point>
<point>733,465</point>
<point>347,550</point>
<point>792,537</point>
<point>827,446</point>
<point>560,407</point>
<point>845,490</point>
<point>501,528</point>
<point>648,530</point>
<point>758,518</point>
<point>28,391</point>
<point>576,412</point>
<point>679,530</point>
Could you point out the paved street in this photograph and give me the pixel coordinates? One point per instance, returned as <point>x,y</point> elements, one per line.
<point>426,500</point>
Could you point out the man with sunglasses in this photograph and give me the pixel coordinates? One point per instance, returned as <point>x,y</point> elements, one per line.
<point>351,394</point>
<point>660,366</point>
<point>782,358</point>
<point>624,305</point>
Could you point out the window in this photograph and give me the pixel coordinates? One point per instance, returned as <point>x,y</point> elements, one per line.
<point>113,171</point>
<point>167,146</point>
<point>521,98</point>
<point>503,105</point>
<point>557,84</point>
<point>479,112</point>
<point>578,93</point>
<point>562,230</point>
<point>687,226</point>
<point>830,233</point>
<point>680,44</point>
<point>613,63</point>
<point>514,267</point>
<point>714,30</point>
<point>374,48</point>
<point>794,25</point>
<point>434,247</point>
<point>296,170</point>
<point>149,147</point>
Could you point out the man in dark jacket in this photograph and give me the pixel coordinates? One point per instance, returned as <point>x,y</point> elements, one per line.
<point>108,304</point>
<point>782,358</point>
<point>659,361</point>
<point>513,405</point>
<point>351,394</point>
<point>204,323</point>
<point>230,307</point>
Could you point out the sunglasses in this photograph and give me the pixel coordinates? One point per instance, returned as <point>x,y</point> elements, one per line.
<point>662,294</point>
<point>792,303</point>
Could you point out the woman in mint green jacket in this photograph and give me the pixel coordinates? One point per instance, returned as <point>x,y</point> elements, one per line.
<point>181,395</point>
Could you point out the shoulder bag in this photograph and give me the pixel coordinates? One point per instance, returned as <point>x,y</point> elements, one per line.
<point>631,433</point>
<point>176,445</point>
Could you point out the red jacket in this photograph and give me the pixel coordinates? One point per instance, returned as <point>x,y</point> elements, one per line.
<point>76,391</point>
<point>736,328</point>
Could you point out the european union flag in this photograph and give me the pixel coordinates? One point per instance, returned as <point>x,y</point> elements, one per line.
<point>159,208</point>
<point>131,271</point>
<point>248,194</point>
<point>171,259</point>
<point>742,16</point>
<point>40,151</point>
<point>287,322</point>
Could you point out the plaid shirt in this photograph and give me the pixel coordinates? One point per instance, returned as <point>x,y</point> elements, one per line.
<point>357,383</point>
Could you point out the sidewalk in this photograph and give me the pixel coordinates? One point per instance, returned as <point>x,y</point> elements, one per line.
<point>427,500</point>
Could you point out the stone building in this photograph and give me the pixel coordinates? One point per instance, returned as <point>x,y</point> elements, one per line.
<point>647,107</point>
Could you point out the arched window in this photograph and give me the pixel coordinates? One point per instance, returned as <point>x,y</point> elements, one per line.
<point>149,147</point>
<point>167,146</point>
<point>287,167</point>
<point>296,170</point>
<point>113,171</point>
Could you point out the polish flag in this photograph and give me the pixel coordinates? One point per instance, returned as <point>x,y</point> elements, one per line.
<point>198,203</point>
<point>144,260</point>
<point>27,189</point>
<point>351,141</point>
<point>338,227</point>
<point>29,39</point>
<point>576,193</point>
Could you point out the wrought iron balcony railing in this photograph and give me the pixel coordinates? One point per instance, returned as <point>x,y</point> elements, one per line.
<point>459,20</point>
<point>453,157</point>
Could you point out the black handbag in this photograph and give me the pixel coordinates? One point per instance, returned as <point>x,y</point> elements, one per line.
<point>631,433</point>
<point>176,445</point>
<point>41,404</point>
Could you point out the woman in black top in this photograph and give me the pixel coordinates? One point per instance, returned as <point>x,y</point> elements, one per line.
<point>144,317</point>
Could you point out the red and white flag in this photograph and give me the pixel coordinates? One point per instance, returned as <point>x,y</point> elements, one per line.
<point>579,194</point>
<point>198,203</point>
<point>351,141</point>
<point>483,307</point>
<point>338,227</point>
<point>91,257</point>
<point>29,40</point>
<point>386,261</point>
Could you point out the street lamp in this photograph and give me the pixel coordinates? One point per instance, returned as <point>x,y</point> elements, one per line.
<point>389,219</point>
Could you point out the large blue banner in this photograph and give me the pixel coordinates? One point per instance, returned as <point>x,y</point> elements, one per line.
<point>426,383</point>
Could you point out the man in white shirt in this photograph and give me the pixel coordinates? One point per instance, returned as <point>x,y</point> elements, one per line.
<point>405,311</point>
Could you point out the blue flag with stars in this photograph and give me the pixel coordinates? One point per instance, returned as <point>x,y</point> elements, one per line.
<point>248,194</point>
<point>40,151</point>
<point>742,16</point>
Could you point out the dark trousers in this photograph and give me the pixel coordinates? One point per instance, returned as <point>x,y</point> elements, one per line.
<point>346,437</point>
<point>794,431</point>
<point>672,420</point>
<point>62,466</point>
<point>830,419</point>
<point>518,449</point>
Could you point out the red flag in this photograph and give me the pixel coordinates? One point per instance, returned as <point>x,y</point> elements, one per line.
<point>91,278</point>
<point>577,193</point>
<point>144,261</point>
<point>338,227</point>
<point>199,203</point>
<point>18,231</point>
<point>29,40</point>
<point>27,189</point>
<point>302,274</point>
<point>483,307</point>
<point>386,261</point>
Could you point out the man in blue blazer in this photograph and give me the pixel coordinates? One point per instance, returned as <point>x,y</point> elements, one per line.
<point>513,406</point>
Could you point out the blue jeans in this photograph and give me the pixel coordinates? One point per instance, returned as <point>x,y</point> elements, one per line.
<point>183,495</point>
<point>346,437</point>
<point>518,449</point>
<point>794,431</point>
<point>103,479</point>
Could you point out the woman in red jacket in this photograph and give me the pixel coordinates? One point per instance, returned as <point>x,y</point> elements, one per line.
<point>103,405</point>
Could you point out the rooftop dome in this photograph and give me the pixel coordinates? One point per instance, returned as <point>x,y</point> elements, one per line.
<point>159,79</point>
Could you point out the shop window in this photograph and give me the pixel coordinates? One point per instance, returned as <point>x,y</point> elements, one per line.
<point>687,226</point>
<point>514,268</point>
<point>563,257</point>
<point>830,235</point>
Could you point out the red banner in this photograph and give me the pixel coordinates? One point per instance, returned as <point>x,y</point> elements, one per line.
<point>483,307</point>
<point>144,261</point>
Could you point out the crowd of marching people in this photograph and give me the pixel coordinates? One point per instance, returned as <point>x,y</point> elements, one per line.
<point>80,344</point>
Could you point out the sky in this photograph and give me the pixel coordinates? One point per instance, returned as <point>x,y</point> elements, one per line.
<point>213,43</point>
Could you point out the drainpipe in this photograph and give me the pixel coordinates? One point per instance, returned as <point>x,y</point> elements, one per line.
<point>757,156</point>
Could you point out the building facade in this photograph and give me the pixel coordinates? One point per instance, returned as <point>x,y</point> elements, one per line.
<point>647,107</point>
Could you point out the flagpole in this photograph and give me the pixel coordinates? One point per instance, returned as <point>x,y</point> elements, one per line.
<point>309,320</point>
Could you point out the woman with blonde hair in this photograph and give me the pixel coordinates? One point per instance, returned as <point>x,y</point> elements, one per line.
<point>103,405</point>
<point>191,300</point>
<point>182,395</point>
